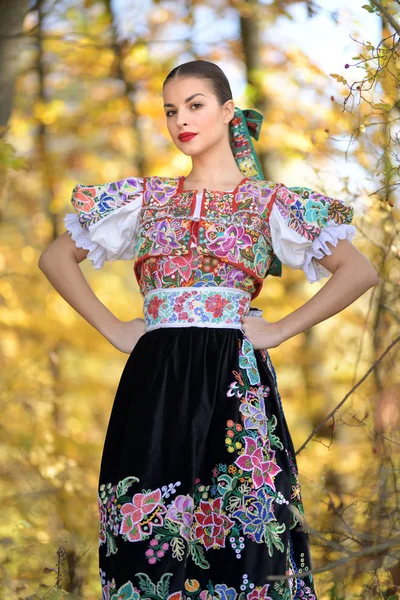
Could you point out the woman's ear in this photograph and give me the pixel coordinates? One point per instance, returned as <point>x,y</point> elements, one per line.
<point>229,110</point>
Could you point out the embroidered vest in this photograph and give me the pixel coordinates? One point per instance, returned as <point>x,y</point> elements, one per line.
<point>233,226</point>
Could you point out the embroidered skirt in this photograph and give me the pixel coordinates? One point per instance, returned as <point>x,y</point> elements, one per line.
<point>199,494</point>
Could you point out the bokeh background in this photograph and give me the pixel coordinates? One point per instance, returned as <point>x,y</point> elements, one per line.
<point>81,102</point>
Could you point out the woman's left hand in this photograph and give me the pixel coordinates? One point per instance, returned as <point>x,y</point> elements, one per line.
<point>261,333</point>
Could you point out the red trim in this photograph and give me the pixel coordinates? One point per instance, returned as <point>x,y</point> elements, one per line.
<point>144,188</point>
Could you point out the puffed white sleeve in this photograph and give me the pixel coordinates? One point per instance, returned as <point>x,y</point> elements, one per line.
<point>302,222</point>
<point>106,218</point>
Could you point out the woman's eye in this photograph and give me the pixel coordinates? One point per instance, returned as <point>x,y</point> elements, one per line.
<point>169,113</point>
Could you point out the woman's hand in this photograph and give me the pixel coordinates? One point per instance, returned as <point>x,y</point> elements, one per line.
<point>261,333</point>
<point>124,335</point>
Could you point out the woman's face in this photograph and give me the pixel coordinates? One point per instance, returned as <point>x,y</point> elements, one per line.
<point>192,107</point>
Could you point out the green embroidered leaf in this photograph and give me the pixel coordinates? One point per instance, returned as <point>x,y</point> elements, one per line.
<point>275,442</point>
<point>145,583</point>
<point>178,548</point>
<point>111,545</point>
<point>163,585</point>
<point>123,485</point>
<point>171,526</point>
<point>272,423</point>
<point>271,535</point>
<point>198,556</point>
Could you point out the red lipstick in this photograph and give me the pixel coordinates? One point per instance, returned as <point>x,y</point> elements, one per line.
<point>187,136</point>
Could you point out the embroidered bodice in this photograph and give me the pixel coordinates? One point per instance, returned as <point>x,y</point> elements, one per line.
<point>180,238</point>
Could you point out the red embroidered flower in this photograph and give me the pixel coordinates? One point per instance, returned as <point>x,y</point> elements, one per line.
<point>154,306</point>
<point>84,197</point>
<point>216,305</point>
<point>213,526</point>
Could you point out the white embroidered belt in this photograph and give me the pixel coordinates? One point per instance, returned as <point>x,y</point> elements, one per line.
<point>196,307</point>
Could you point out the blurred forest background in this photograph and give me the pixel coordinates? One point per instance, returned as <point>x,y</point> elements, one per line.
<point>80,102</point>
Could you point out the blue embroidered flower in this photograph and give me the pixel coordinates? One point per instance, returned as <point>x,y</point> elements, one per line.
<point>224,592</point>
<point>206,279</point>
<point>257,514</point>
<point>213,490</point>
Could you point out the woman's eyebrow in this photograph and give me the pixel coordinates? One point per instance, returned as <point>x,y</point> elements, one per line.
<point>188,99</point>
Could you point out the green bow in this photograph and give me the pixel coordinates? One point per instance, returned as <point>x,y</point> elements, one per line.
<point>245,125</point>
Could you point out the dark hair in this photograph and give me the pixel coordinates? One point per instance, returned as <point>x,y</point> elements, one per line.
<point>204,69</point>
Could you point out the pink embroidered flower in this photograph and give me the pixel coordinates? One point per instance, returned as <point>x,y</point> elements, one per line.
<point>228,242</point>
<point>216,305</point>
<point>253,459</point>
<point>144,507</point>
<point>154,305</point>
<point>213,525</point>
<point>259,594</point>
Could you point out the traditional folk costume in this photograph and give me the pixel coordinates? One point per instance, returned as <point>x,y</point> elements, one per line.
<point>199,494</point>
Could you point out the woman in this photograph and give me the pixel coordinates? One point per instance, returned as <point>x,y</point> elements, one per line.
<point>199,494</point>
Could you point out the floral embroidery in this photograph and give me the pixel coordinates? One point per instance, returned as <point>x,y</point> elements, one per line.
<point>248,362</point>
<point>234,509</point>
<point>307,212</point>
<point>181,512</point>
<point>229,247</point>
<point>188,306</point>
<point>255,197</point>
<point>228,242</point>
<point>253,410</point>
<point>159,190</point>
<point>165,235</point>
<point>219,591</point>
<point>212,525</point>
<point>141,515</point>
<point>95,202</point>
<point>255,459</point>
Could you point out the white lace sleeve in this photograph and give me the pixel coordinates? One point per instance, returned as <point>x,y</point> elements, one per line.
<point>106,219</point>
<point>302,221</point>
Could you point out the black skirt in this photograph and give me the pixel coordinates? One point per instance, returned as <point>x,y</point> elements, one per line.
<point>199,495</point>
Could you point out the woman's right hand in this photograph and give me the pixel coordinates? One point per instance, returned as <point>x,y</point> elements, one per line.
<point>124,335</point>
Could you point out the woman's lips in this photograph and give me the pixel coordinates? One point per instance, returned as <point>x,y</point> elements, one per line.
<point>186,137</point>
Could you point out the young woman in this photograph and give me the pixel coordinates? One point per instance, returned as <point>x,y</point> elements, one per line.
<point>199,493</point>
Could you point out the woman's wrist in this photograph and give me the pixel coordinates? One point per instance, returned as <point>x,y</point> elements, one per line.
<point>282,332</point>
<point>108,325</point>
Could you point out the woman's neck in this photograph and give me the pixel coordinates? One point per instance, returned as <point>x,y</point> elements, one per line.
<point>215,169</point>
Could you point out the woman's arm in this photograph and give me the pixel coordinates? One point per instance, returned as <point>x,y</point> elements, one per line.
<point>60,264</point>
<point>352,276</point>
